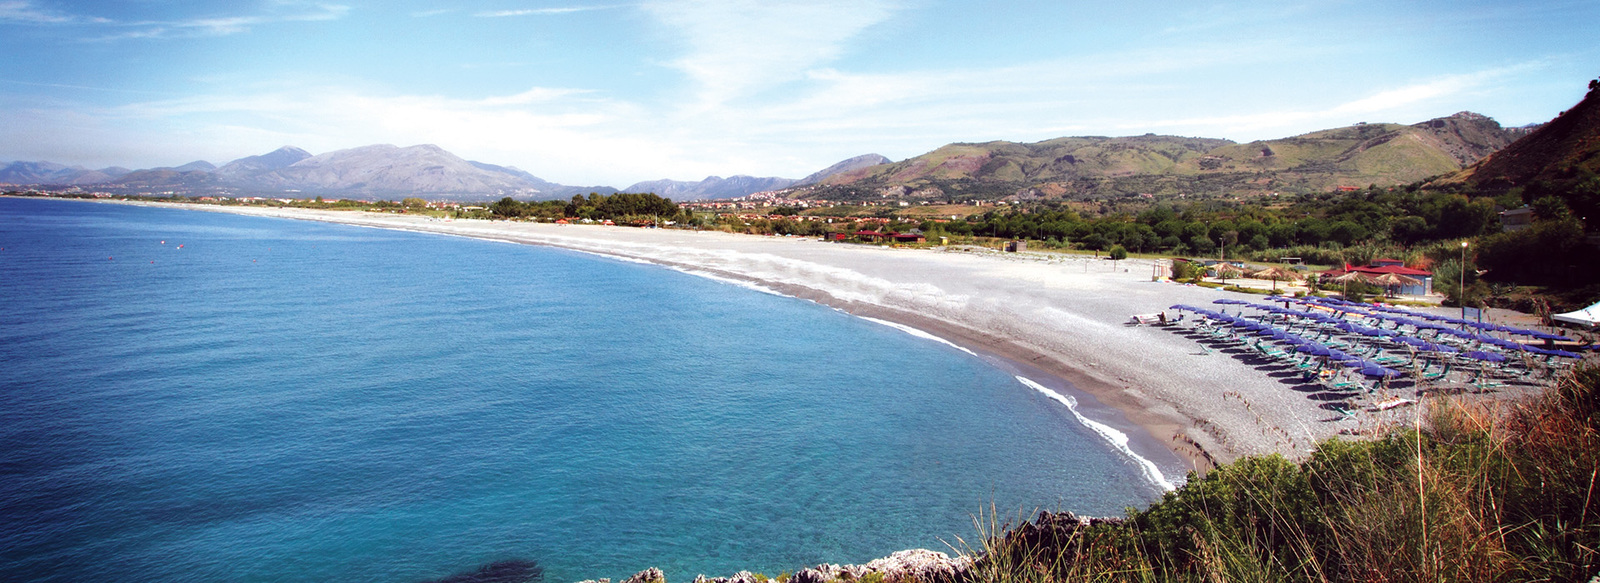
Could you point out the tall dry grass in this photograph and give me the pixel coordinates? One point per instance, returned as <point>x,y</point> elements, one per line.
<point>1502,491</point>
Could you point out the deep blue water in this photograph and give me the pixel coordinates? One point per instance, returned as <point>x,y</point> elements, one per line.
<point>290,401</point>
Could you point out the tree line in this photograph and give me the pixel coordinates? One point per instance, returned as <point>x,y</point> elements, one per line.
<point>629,207</point>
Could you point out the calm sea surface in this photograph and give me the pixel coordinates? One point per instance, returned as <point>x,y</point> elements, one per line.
<point>189,396</point>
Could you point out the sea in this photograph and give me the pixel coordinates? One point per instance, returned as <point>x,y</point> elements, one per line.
<point>196,396</point>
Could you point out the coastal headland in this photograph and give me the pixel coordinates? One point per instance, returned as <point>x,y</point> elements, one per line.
<point>1182,406</point>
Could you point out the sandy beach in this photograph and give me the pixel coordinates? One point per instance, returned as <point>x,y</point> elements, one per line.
<point>1063,316</point>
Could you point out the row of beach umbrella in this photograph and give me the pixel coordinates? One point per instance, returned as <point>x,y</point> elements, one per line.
<point>1296,342</point>
<point>1392,315</point>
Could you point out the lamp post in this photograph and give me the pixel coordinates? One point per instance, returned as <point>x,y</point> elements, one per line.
<point>1461,282</point>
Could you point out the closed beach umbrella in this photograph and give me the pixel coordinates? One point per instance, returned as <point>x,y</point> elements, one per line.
<point>1563,353</point>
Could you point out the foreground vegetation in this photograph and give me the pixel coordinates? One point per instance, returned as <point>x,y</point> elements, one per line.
<point>1471,493</point>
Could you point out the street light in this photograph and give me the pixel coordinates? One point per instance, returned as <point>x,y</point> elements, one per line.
<point>1461,282</point>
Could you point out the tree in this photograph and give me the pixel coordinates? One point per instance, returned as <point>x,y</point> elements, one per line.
<point>1118,253</point>
<point>507,207</point>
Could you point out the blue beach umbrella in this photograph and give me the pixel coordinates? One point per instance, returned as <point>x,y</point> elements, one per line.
<point>1314,349</point>
<point>1563,354</point>
<point>1380,371</point>
<point>1339,356</point>
<point>1484,356</point>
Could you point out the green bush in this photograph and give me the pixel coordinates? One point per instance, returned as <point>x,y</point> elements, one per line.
<point>1493,492</point>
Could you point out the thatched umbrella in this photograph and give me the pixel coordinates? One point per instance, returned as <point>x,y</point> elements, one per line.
<point>1277,274</point>
<point>1392,280</point>
<point>1348,278</point>
<point>1352,277</point>
<point>1226,269</point>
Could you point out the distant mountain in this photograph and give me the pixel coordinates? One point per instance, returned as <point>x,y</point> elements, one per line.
<point>849,165</point>
<point>547,190</point>
<point>712,187</point>
<point>426,171</point>
<point>1560,152</point>
<point>1077,167</point>
<point>200,165</point>
<point>51,173</point>
<point>249,167</point>
<point>167,179</point>
<point>385,169</point>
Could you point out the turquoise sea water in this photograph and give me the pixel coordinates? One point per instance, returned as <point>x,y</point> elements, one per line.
<point>287,401</point>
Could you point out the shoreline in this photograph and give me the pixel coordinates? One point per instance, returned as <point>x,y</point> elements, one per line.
<point>1059,316</point>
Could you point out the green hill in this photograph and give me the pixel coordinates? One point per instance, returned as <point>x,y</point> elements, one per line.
<point>1563,151</point>
<point>1098,167</point>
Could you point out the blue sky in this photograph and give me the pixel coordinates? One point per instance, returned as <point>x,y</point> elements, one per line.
<point>593,93</point>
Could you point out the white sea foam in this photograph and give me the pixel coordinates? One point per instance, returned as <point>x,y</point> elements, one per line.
<point>919,334</point>
<point>750,285</point>
<point>1117,439</point>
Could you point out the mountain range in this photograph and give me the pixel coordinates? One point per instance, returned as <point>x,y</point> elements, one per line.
<point>1100,167</point>
<point>1069,167</point>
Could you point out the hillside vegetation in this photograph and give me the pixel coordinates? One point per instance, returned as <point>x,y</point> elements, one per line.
<point>1099,167</point>
<point>1472,493</point>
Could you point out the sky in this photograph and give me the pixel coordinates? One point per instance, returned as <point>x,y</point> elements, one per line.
<point>610,93</point>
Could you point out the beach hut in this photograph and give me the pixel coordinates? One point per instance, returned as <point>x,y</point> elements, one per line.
<point>1393,282</point>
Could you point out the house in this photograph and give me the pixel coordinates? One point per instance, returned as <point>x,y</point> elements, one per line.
<point>1516,219</point>
<point>1385,265</point>
<point>907,238</point>
<point>869,236</point>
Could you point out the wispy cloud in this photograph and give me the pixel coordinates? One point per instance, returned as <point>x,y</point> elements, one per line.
<point>738,47</point>
<point>430,13</point>
<point>222,26</point>
<point>21,11</point>
<point>541,11</point>
<point>24,12</point>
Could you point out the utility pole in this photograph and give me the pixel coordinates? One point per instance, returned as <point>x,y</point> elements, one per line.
<point>1461,282</point>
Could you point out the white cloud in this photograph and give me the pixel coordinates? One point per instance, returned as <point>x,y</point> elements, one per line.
<point>22,11</point>
<point>734,48</point>
<point>540,11</point>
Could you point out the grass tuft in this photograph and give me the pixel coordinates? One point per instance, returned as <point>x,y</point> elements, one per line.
<point>1505,491</point>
